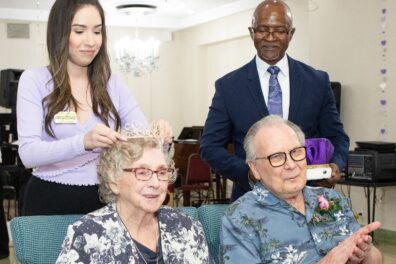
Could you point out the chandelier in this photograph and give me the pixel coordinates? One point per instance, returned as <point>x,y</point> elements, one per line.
<point>135,55</point>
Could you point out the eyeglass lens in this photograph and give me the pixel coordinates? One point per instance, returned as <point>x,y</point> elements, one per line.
<point>145,174</point>
<point>264,31</point>
<point>278,159</point>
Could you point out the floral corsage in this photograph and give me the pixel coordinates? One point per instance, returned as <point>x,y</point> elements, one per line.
<point>326,211</point>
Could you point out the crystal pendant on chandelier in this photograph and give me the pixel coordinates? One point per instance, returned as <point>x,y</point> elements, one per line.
<point>137,56</point>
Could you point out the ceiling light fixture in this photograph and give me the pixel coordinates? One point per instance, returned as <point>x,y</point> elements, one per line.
<point>136,55</point>
<point>141,9</point>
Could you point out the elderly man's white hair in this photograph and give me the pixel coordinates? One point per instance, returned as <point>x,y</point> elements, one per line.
<point>266,122</point>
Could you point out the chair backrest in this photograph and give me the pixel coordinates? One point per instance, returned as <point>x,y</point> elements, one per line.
<point>189,210</point>
<point>38,239</point>
<point>197,170</point>
<point>210,217</point>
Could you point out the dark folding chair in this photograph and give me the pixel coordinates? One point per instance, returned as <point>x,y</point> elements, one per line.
<point>198,185</point>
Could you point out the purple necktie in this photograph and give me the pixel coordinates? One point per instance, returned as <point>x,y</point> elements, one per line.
<point>274,93</point>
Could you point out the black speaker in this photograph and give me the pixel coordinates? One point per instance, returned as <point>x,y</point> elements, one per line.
<point>8,87</point>
<point>193,132</point>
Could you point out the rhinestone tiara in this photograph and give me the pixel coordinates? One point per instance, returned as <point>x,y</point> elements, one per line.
<point>138,130</point>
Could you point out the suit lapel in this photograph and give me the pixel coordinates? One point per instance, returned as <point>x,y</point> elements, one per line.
<point>296,89</point>
<point>254,88</point>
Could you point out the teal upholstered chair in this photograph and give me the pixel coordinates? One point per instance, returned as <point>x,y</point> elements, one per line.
<point>38,239</point>
<point>189,210</point>
<point>210,217</point>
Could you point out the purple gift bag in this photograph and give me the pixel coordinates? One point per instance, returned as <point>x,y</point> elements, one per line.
<point>319,150</point>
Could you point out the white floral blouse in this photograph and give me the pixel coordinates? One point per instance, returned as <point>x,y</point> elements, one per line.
<point>100,237</point>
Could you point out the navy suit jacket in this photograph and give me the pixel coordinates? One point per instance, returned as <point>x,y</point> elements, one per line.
<point>239,102</point>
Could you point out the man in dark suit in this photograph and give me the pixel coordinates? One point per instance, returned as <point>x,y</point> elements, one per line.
<point>242,97</point>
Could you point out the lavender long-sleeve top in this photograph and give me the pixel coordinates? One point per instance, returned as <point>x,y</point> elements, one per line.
<point>63,159</point>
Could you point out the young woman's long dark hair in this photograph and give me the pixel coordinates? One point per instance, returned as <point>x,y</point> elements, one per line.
<point>58,33</point>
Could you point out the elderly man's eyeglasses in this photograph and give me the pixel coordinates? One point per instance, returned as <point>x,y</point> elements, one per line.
<point>145,174</point>
<point>263,31</point>
<point>279,158</point>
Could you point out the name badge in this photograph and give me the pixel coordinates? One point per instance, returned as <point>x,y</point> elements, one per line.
<point>66,118</point>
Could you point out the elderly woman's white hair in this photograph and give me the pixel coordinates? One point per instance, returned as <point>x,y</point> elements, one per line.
<point>268,121</point>
<point>114,159</point>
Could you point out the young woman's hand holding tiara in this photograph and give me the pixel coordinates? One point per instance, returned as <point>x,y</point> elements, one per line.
<point>165,130</point>
<point>101,136</point>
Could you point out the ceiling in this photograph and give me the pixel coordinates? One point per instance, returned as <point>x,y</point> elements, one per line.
<point>169,14</point>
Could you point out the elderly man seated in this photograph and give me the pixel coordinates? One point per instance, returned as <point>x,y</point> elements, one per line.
<point>284,221</point>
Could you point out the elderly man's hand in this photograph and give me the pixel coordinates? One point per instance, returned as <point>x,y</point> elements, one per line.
<point>335,177</point>
<point>355,248</point>
<point>362,249</point>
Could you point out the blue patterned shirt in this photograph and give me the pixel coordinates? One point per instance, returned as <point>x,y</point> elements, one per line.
<point>261,228</point>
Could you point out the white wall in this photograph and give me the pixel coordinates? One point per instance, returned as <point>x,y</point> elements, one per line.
<point>22,53</point>
<point>340,37</point>
<point>346,42</point>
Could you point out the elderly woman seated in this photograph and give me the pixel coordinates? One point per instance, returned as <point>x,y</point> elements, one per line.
<point>134,227</point>
<point>284,221</point>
